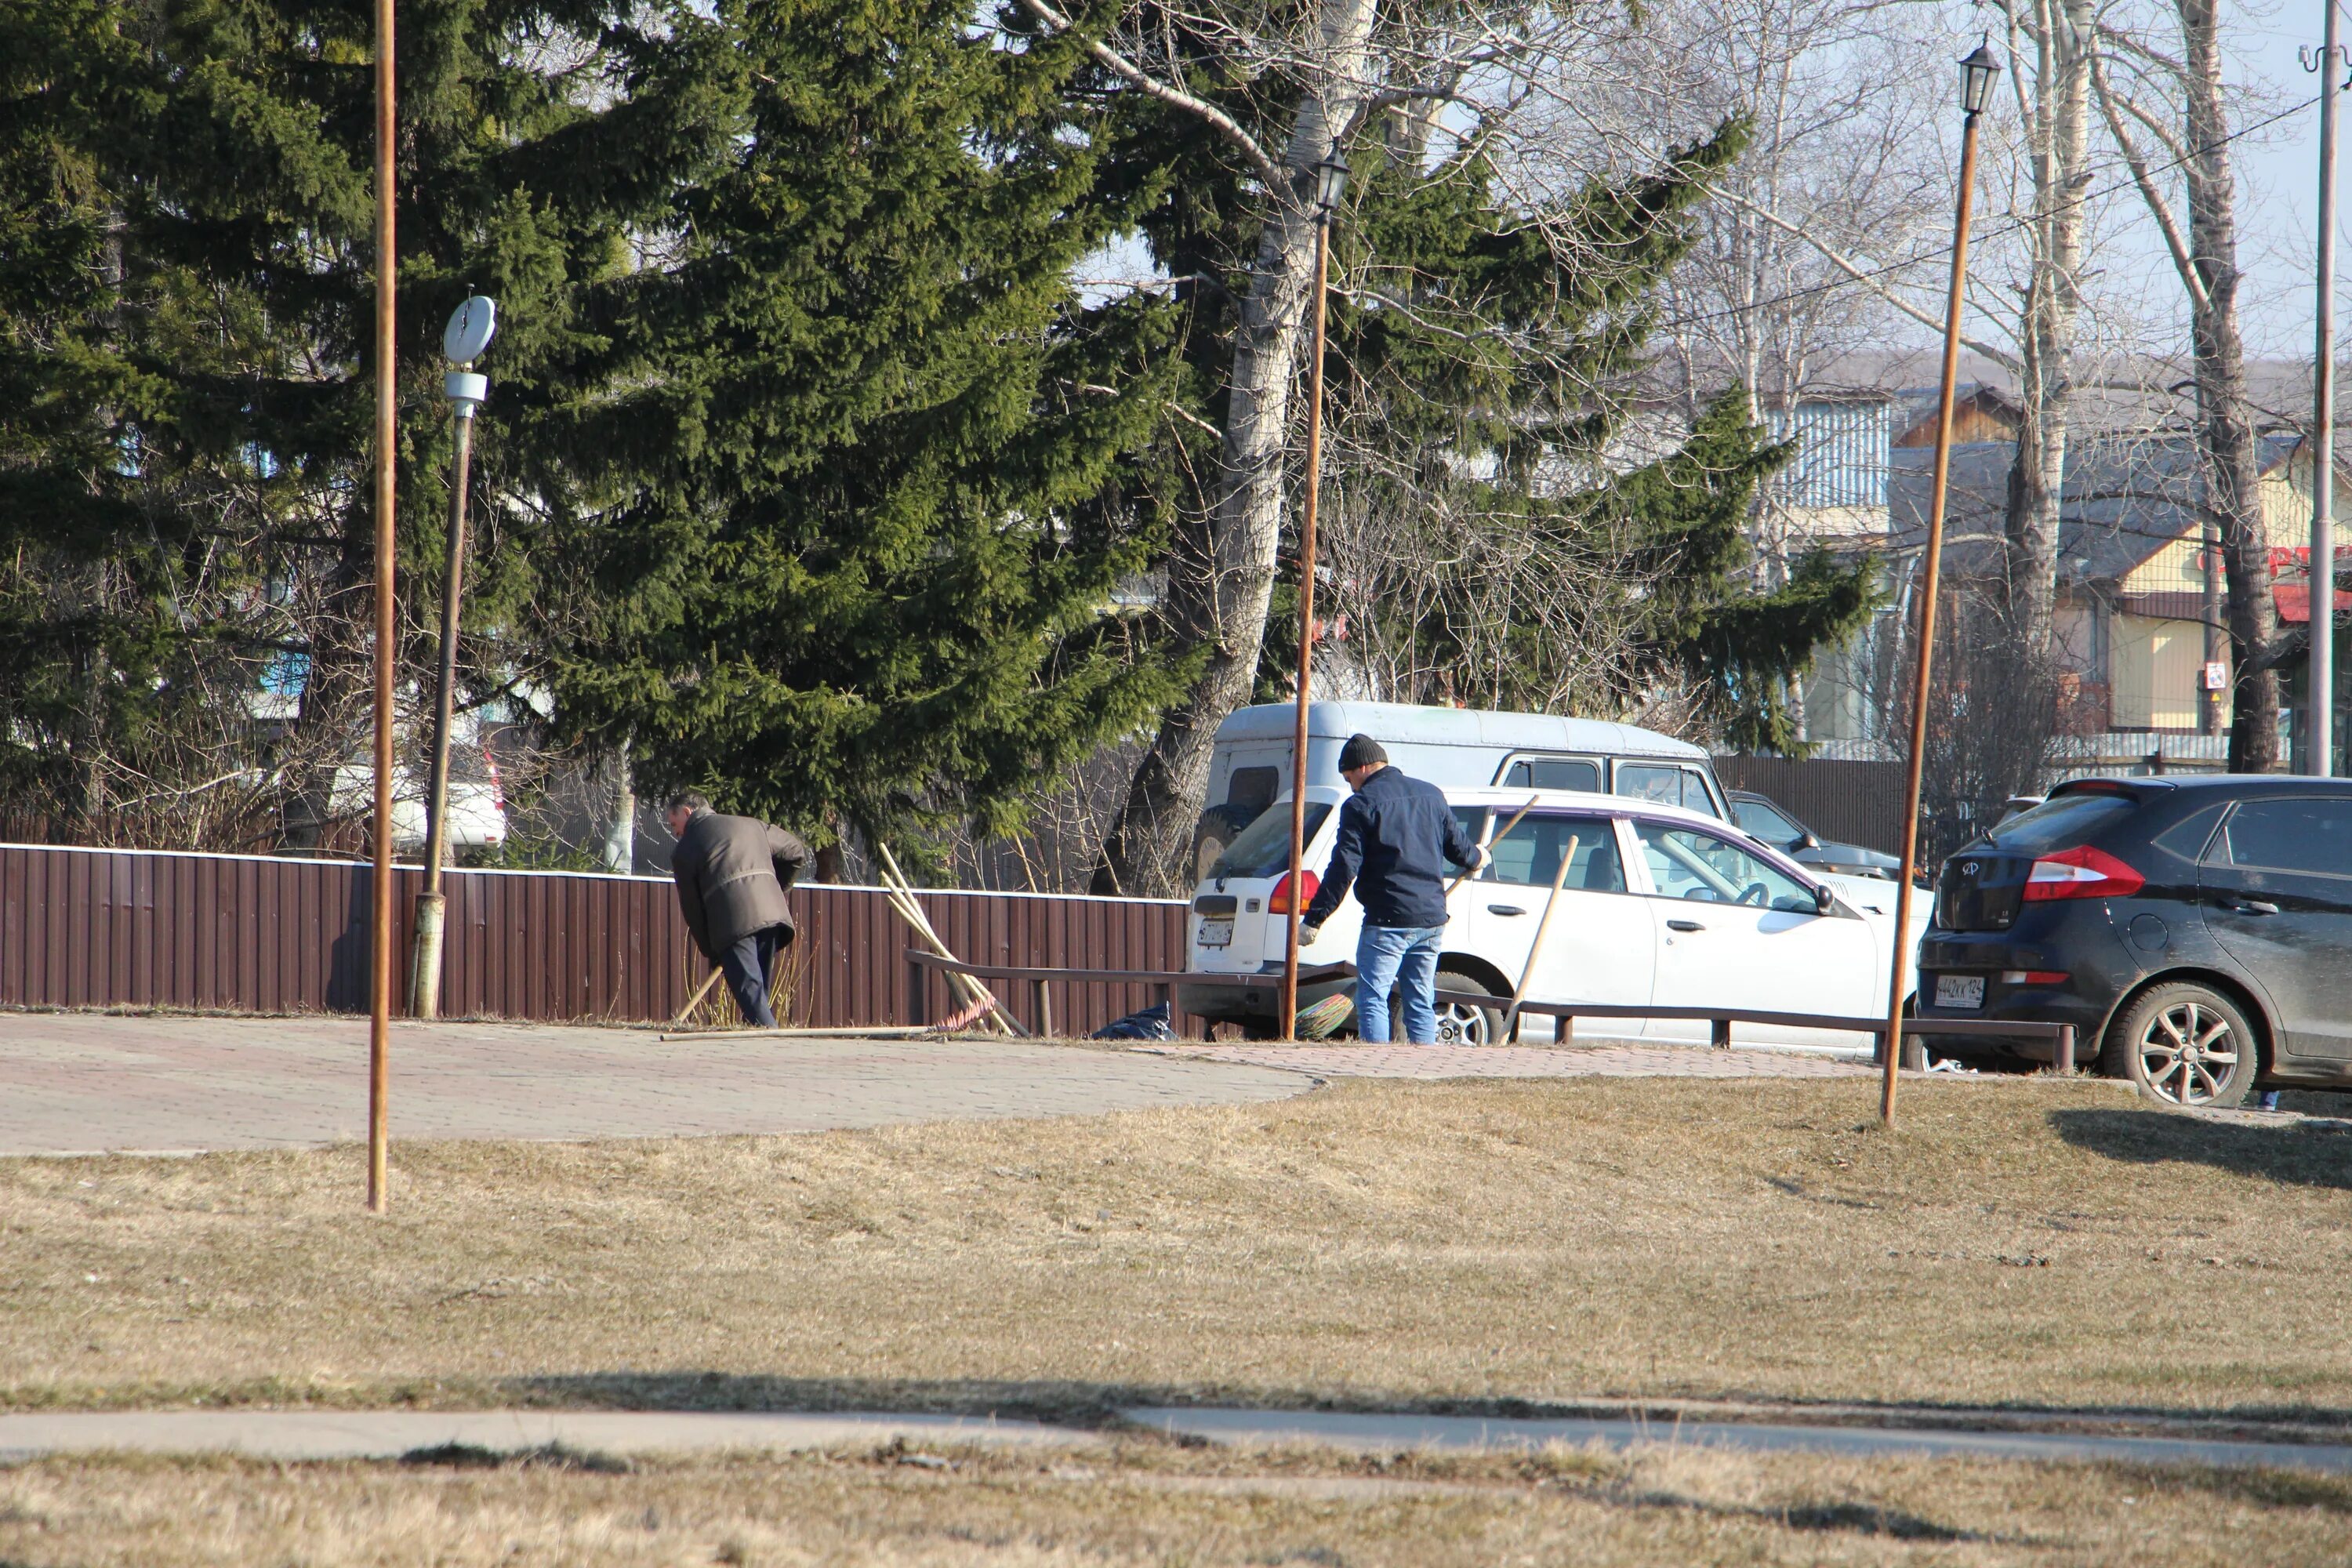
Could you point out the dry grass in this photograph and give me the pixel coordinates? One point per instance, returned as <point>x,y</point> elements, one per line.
<point>1141,1504</point>
<point>1379,1243</point>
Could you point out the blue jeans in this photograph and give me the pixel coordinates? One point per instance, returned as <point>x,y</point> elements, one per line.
<point>746,964</point>
<point>1406,958</point>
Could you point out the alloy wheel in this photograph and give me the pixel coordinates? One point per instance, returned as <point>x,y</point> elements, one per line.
<point>1461,1025</point>
<point>2189,1053</point>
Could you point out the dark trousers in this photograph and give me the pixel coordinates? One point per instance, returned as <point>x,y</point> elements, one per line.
<point>746,965</point>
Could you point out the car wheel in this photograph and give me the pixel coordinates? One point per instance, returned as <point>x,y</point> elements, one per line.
<point>1462,1024</point>
<point>2185,1044</point>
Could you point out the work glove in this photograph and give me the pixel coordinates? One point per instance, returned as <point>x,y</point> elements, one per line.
<point>1307,933</point>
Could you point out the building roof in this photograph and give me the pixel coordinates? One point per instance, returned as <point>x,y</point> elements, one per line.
<point>2125,498</point>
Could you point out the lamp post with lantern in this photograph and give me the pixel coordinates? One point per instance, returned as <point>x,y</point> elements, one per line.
<point>1331,185</point>
<point>469,332</point>
<point>1976,75</point>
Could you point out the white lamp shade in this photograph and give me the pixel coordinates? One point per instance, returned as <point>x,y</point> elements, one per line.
<point>471,327</point>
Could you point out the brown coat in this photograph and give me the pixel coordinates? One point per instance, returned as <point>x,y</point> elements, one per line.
<point>731,875</point>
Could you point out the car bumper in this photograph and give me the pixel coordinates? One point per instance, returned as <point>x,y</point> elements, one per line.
<point>1255,1003</point>
<point>2084,998</point>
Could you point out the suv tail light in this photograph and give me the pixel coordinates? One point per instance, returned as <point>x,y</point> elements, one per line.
<point>1278,901</point>
<point>2081,873</point>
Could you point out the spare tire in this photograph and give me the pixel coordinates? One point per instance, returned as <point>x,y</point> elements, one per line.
<point>1220,826</point>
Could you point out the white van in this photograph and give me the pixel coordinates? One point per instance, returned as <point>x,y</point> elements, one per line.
<point>1447,747</point>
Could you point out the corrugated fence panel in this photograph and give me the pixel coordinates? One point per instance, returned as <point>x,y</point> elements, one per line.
<point>1846,802</point>
<point>138,928</point>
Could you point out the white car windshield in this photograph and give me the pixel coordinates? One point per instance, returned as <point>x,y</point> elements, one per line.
<point>1688,863</point>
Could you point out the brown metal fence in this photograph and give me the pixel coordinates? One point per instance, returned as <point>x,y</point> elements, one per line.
<point>1845,802</point>
<point>84,928</point>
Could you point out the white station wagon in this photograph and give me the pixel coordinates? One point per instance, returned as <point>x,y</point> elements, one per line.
<point>1661,906</point>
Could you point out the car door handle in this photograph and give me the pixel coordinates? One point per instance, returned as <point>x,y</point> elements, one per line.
<point>1684,925</point>
<point>1504,909</point>
<point>2251,906</point>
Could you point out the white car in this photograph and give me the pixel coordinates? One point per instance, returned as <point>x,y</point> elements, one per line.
<point>1662,907</point>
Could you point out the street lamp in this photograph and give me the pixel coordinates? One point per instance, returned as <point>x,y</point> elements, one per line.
<point>1977,74</point>
<point>469,332</point>
<point>1331,185</point>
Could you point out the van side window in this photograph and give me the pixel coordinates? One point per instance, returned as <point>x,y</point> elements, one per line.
<point>1659,782</point>
<point>1252,789</point>
<point>1554,772</point>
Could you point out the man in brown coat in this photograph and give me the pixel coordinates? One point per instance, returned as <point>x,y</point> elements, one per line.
<point>731,875</point>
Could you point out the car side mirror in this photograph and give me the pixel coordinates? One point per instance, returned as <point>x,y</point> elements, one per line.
<point>1824,900</point>
<point>1806,840</point>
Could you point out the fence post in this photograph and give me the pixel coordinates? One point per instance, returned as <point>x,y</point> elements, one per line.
<point>1720,1031</point>
<point>2065,1055</point>
<point>1044,1010</point>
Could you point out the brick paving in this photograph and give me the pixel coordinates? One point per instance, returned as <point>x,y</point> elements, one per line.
<point>1606,1060</point>
<point>86,1082</point>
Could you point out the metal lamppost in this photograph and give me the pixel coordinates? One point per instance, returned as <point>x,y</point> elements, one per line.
<point>469,332</point>
<point>1977,74</point>
<point>1330,184</point>
<point>2322,575</point>
<point>387,452</point>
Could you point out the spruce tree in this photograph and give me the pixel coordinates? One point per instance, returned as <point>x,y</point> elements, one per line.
<point>864,535</point>
<point>186,251</point>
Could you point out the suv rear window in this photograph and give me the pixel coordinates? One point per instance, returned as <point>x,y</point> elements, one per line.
<point>2059,823</point>
<point>1264,848</point>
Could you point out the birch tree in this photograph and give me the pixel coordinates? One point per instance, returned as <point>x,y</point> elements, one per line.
<point>2138,77</point>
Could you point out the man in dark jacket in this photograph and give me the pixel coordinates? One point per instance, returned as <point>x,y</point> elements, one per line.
<point>731,875</point>
<point>1394,832</point>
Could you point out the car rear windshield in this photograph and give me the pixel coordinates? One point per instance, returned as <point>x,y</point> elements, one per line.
<point>1264,848</point>
<point>2059,823</point>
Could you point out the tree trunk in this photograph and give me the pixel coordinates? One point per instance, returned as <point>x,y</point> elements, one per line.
<point>620,846</point>
<point>1221,579</point>
<point>2059,129</point>
<point>2225,423</point>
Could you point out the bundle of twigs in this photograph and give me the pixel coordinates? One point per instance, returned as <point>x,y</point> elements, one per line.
<point>978,999</point>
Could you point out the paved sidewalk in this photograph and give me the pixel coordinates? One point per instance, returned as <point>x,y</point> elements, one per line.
<point>389,1433</point>
<point>314,1434</point>
<point>85,1082</point>
<point>1385,1433</point>
<point>1614,1060</point>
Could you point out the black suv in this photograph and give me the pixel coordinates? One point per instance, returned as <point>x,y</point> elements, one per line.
<point>2195,930</point>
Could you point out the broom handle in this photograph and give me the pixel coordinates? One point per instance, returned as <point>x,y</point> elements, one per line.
<point>1451,886</point>
<point>696,1000</point>
<point>1543,929</point>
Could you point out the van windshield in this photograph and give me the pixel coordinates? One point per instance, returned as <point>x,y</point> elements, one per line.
<point>1264,848</point>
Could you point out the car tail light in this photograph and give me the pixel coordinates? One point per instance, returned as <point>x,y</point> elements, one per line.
<point>1278,903</point>
<point>2081,873</point>
<point>2034,977</point>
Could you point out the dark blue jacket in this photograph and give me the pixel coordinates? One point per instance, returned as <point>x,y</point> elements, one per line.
<point>1392,834</point>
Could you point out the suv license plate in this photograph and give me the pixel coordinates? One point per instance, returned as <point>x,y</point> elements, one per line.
<point>1959,990</point>
<point>1217,934</point>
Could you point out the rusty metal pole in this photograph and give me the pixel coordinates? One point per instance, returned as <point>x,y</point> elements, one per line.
<point>387,453</point>
<point>1896,1048</point>
<point>1297,883</point>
